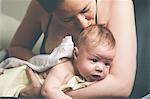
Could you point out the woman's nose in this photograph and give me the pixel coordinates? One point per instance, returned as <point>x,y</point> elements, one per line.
<point>82,21</point>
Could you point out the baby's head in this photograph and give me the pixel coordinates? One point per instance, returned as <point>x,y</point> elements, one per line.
<point>94,52</point>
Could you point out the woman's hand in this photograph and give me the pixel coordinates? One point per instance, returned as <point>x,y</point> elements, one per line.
<point>34,86</point>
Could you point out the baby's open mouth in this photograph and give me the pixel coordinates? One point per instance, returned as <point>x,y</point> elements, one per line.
<point>95,77</point>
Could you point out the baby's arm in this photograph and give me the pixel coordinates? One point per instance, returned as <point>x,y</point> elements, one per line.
<point>57,76</point>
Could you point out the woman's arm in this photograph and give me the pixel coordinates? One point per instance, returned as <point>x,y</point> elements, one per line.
<point>27,33</point>
<point>121,78</point>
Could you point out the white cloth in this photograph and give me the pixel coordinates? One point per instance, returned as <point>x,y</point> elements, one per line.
<point>12,81</point>
<point>43,62</point>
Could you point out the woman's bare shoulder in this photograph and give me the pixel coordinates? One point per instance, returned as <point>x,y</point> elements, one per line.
<point>36,9</point>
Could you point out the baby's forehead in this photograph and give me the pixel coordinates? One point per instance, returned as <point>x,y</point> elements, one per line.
<point>100,50</point>
<point>101,45</point>
<point>95,42</point>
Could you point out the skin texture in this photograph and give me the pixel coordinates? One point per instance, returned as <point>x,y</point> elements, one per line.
<point>117,15</point>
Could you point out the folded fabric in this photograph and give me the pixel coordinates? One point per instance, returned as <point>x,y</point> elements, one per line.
<point>43,62</point>
<point>75,83</point>
<point>12,81</point>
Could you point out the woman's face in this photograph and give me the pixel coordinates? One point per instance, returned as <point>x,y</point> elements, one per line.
<point>76,13</point>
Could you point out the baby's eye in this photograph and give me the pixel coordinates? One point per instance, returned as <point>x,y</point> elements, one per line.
<point>94,60</point>
<point>107,63</point>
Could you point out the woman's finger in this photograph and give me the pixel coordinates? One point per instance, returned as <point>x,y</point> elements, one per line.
<point>32,78</point>
<point>43,75</point>
<point>34,86</point>
<point>26,91</point>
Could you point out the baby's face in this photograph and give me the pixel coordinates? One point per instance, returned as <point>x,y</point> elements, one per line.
<point>94,65</point>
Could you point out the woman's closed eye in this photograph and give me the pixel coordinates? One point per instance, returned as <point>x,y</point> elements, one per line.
<point>85,10</point>
<point>69,19</point>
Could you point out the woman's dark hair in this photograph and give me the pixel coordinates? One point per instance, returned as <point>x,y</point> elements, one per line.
<point>49,5</point>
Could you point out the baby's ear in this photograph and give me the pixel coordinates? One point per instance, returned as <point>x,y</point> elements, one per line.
<point>75,53</point>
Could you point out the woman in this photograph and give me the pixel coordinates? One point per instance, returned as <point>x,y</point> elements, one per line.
<point>57,18</point>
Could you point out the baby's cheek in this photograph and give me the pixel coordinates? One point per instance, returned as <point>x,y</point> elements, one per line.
<point>87,69</point>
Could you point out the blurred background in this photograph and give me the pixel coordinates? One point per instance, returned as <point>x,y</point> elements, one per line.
<point>142,15</point>
<point>14,10</point>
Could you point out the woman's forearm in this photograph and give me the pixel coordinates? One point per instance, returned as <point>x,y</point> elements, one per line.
<point>27,33</point>
<point>55,93</point>
<point>20,52</point>
<point>109,87</point>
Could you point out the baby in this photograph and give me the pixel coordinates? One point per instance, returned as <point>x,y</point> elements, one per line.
<point>92,58</point>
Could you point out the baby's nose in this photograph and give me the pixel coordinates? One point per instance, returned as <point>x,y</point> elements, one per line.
<point>100,68</point>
